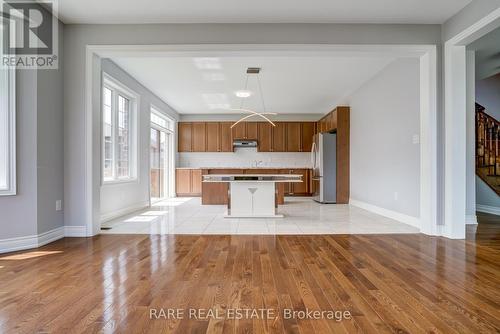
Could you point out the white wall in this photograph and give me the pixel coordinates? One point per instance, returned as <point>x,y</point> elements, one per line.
<point>488,95</point>
<point>246,157</point>
<point>122,197</point>
<point>39,149</point>
<point>384,118</point>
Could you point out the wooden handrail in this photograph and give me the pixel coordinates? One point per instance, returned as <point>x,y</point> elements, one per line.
<point>487,144</point>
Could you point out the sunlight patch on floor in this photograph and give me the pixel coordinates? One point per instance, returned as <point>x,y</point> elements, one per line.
<point>29,255</point>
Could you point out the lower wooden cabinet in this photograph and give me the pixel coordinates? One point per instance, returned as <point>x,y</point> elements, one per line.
<point>188,182</point>
<point>298,188</point>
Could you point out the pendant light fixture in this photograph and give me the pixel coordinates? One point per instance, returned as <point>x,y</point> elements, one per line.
<point>244,93</point>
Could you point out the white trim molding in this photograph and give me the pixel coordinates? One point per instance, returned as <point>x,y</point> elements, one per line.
<point>31,241</point>
<point>10,136</point>
<point>75,231</point>
<point>455,106</point>
<point>124,211</point>
<point>471,220</point>
<point>494,210</point>
<point>400,217</point>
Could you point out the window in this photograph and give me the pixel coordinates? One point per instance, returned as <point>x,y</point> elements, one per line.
<point>119,132</point>
<point>159,119</point>
<point>7,132</point>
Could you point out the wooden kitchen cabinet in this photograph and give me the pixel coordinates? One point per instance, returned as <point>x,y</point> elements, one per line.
<point>293,137</point>
<point>213,137</point>
<point>218,136</point>
<point>279,138</point>
<point>196,182</point>
<point>308,131</point>
<point>199,137</point>
<point>185,136</point>
<point>239,131</point>
<point>298,188</point>
<point>188,182</point>
<point>183,182</point>
<point>226,138</point>
<point>245,130</point>
<point>265,137</point>
<point>252,130</point>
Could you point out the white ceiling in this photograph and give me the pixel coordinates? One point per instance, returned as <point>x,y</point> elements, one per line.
<point>291,85</point>
<point>272,11</point>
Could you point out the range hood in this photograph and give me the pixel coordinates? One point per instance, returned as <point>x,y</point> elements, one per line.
<point>244,143</point>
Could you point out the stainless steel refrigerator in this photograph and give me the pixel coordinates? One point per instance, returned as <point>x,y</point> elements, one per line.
<point>324,162</point>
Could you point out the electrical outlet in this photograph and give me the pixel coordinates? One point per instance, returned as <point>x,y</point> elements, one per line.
<point>415,139</point>
<point>396,195</point>
<point>58,205</point>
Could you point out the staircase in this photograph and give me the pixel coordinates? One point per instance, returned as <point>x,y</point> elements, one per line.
<point>488,149</point>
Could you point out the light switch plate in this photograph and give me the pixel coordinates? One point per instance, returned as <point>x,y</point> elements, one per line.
<point>58,205</point>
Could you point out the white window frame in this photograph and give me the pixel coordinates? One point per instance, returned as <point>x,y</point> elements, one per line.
<point>10,164</point>
<point>118,88</point>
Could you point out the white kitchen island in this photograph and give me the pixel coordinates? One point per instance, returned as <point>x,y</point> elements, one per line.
<point>252,195</point>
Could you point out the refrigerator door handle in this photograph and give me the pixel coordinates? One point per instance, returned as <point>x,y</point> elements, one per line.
<point>313,155</point>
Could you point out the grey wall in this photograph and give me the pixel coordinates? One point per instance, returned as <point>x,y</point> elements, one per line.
<point>118,197</point>
<point>76,38</point>
<point>39,149</point>
<point>384,117</point>
<point>50,139</point>
<point>19,212</point>
<point>469,15</point>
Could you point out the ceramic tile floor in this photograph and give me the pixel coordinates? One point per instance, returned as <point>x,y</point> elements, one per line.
<point>302,216</point>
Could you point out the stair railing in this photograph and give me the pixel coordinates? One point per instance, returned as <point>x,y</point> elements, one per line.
<point>487,142</point>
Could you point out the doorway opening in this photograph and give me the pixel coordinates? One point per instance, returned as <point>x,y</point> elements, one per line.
<point>160,156</point>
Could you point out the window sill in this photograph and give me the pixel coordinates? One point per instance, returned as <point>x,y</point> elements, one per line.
<point>118,182</point>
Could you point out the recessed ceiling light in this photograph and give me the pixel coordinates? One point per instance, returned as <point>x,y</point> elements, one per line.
<point>243,93</point>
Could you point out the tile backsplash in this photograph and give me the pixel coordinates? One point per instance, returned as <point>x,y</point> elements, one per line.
<point>245,157</point>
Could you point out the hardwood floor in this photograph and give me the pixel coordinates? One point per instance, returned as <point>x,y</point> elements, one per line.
<point>388,283</point>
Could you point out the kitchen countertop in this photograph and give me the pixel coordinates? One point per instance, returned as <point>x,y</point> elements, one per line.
<point>295,167</point>
<point>252,178</point>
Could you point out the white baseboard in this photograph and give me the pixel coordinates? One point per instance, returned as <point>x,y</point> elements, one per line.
<point>470,219</point>
<point>494,210</point>
<point>123,211</point>
<point>75,231</point>
<point>413,221</point>
<point>31,241</point>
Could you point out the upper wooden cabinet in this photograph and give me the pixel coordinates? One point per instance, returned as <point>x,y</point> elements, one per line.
<point>265,137</point>
<point>245,130</point>
<point>308,131</point>
<point>293,137</point>
<point>218,136</point>
<point>240,131</point>
<point>279,137</point>
<point>225,137</point>
<point>185,137</point>
<point>252,130</point>
<point>213,137</point>
<point>199,136</point>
